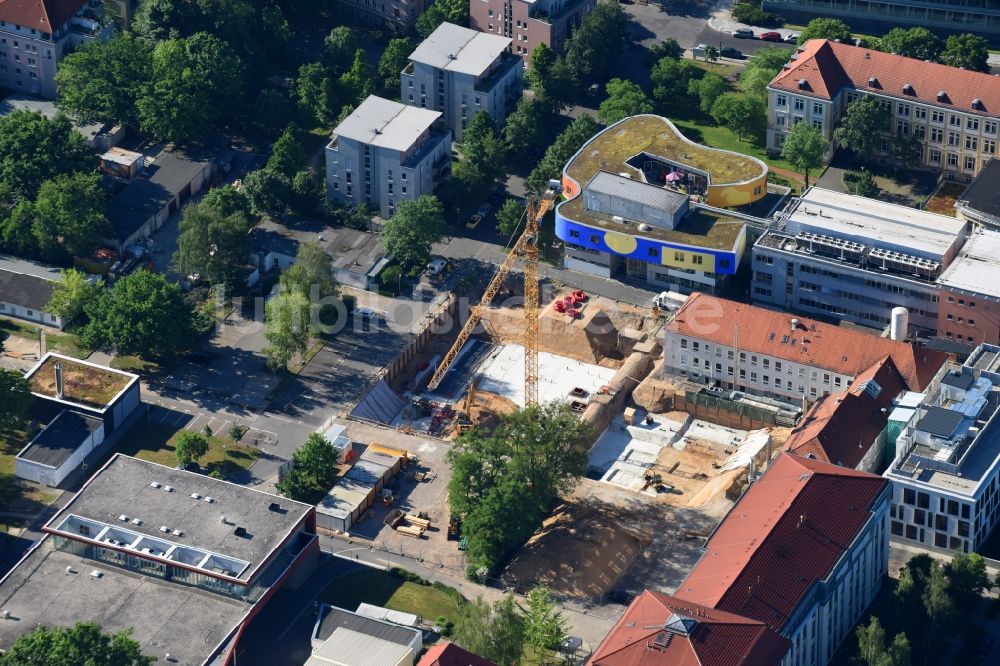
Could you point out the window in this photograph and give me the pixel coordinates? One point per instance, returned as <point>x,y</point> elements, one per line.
<point>902,127</point>
<point>923,500</point>
<point>781,101</point>
<point>989,146</point>
<point>953,138</point>
<point>911,532</point>
<point>952,159</point>
<point>780,120</point>
<point>920,113</point>
<point>940,540</point>
<point>952,508</point>
<point>678,256</point>
<point>903,109</point>
<point>937,135</point>
<point>684,343</point>
<point>817,109</point>
<point>935,156</point>
<point>937,116</point>
<point>697,259</point>
<point>800,104</point>
<point>941,522</point>
<point>955,121</point>
<point>970,163</point>
<point>990,126</point>
<point>919,516</point>
<point>909,496</point>
<point>574,233</point>
<point>753,377</point>
<point>818,124</point>
<point>896,528</point>
<point>971,142</point>
<point>972,124</point>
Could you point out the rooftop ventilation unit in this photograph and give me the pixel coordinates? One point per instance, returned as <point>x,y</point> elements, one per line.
<point>240,531</point>
<point>123,518</point>
<point>96,574</point>
<point>209,499</point>
<point>177,533</point>
<point>59,381</point>
<point>154,484</point>
<point>136,521</point>
<point>195,496</point>
<point>169,489</point>
<point>164,529</point>
<point>274,506</point>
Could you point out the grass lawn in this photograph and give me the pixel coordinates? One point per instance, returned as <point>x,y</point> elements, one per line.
<point>83,383</point>
<point>64,343</point>
<point>724,70</point>
<point>135,365</point>
<point>943,201</point>
<point>383,588</point>
<point>720,137</point>
<point>154,442</point>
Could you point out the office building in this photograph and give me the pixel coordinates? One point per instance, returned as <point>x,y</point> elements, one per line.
<point>780,356</point>
<point>947,459</point>
<point>529,23</point>
<point>851,258</point>
<point>954,113</point>
<point>182,559</point>
<point>35,35</point>
<point>385,153</point>
<point>633,208</point>
<point>461,72</point>
<point>803,551</point>
<point>969,297</point>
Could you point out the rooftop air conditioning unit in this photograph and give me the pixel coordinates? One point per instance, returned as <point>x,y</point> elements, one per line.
<point>154,484</point>
<point>195,496</point>
<point>618,219</point>
<point>169,489</point>
<point>645,227</point>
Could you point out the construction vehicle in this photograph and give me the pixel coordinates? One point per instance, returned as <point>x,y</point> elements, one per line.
<point>526,246</point>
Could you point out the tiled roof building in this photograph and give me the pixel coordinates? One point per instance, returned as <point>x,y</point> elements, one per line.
<point>449,654</point>
<point>955,112</point>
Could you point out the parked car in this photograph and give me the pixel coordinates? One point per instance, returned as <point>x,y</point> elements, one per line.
<point>474,221</point>
<point>730,52</point>
<point>770,37</point>
<point>435,267</point>
<point>793,38</point>
<point>743,33</point>
<point>364,312</point>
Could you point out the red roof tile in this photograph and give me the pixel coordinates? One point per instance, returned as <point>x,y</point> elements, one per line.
<point>42,15</point>
<point>841,427</point>
<point>786,533</point>
<point>846,351</point>
<point>828,67</point>
<point>696,636</point>
<point>449,654</point>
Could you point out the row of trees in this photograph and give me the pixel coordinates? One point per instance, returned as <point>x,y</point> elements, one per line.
<point>504,482</point>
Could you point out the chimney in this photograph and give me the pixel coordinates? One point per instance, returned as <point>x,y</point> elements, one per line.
<point>59,381</point>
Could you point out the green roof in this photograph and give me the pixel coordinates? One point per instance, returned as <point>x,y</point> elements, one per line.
<point>656,135</point>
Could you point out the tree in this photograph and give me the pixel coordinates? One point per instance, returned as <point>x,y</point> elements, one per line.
<point>495,633</point>
<point>509,216</point>
<point>317,92</point>
<point>72,294</point>
<point>214,245</point>
<point>762,67</point>
<point>144,314</point>
<point>916,42</point>
<point>306,192</point>
<point>526,127</point>
<point>483,152</point>
<point>339,48</point>
<point>16,230</point>
<point>101,81</point>
<point>83,643</point>
<point>34,149</point>
<point>741,114</point>
<point>544,626</point>
<point>711,53</point>
<point>593,47</point>
<point>625,99</point>
<point>862,126</point>
<point>189,447</point>
<point>266,191</point>
<point>707,89</point>
<point>286,328</point>
<point>16,400</point>
<point>899,651</point>
<point>668,48</point>
<point>314,470</point>
<point>272,111</point>
<point>550,78</point>
<point>871,642</point>
<point>357,82</point>
<point>409,234</point>
<point>504,482</point>
<point>937,598</point>
<point>805,148</point>
<point>452,11</point>
<point>826,28</point>
<point>227,200</point>
<point>394,59</point>
<point>864,184</point>
<point>969,51</point>
<point>671,83</point>
<point>288,155</point>
<point>158,20</point>
<point>70,215</point>
<point>967,578</point>
<point>581,130</point>
<point>190,77</point>
<point>312,272</point>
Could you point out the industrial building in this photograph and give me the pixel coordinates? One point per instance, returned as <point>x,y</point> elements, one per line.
<point>385,153</point>
<point>804,551</point>
<point>461,72</point>
<point>358,489</point>
<point>142,543</point>
<point>645,202</point>
<point>530,23</point>
<point>947,459</point>
<point>953,113</point>
<point>852,258</point>
<point>765,352</point>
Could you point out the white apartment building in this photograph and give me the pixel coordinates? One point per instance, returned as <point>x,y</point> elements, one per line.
<point>461,72</point>
<point>773,354</point>
<point>954,113</point>
<point>945,473</point>
<point>384,153</point>
<point>35,35</point>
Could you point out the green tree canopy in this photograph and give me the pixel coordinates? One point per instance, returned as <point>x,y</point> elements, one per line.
<point>82,644</point>
<point>357,83</point>
<point>452,11</point>
<point>708,89</point>
<point>593,47</point>
<point>227,200</point>
<point>266,190</point>
<point>143,314</point>
<point>314,470</point>
<point>101,81</point>
<point>509,216</point>
<point>214,245</point>
<point>862,126</point>
<point>826,28</point>
<point>969,51</point>
<point>34,149</point>
<point>668,48</point>
<point>16,401</point>
<point>72,294</point>
<point>318,92</point>
<point>762,67</point>
<point>625,99</point>
<point>495,633</point>
<point>484,158</point>
<point>394,59</point>
<point>743,115</point>
<point>417,225</point>
<point>189,446</point>
<point>286,327</point>
<point>968,578</point>
<point>672,83</point>
<point>288,155</point>
<point>312,272</point>
<point>526,127</point>
<point>550,77</point>
<point>339,48</point>
<point>581,130</point>
<point>916,42</point>
<point>70,215</point>
<point>805,148</point>
<point>544,625</point>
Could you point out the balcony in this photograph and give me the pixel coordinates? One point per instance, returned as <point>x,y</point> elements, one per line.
<point>506,63</point>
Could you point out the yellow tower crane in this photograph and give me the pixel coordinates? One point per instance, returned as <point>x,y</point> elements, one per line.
<point>526,246</point>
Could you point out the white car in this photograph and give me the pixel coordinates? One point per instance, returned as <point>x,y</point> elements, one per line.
<point>435,267</point>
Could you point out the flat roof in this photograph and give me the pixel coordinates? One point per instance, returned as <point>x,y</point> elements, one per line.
<point>334,619</point>
<point>387,124</point>
<point>874,222</point>
<point>354,648</point>
<point>125,488</point>
<point>610,148</point>
<point>56,442</point>
<point>121,156</point>
<point>188,622</point>
<point>164,177</point>
<point>456,49</point>
<point>85,384</point>
<point>350,250</point>
<point>647,194</point>
<point>15,102</point>
<point>976,269</point>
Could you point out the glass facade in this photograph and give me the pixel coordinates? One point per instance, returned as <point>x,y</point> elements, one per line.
<point>982,16</point>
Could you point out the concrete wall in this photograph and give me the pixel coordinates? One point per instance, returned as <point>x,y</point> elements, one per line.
<point>445,321</point>
<point>54,476</point>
